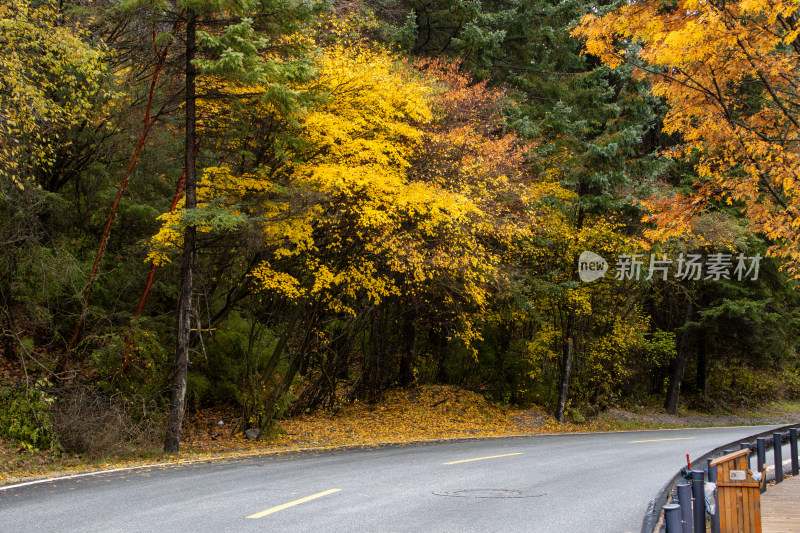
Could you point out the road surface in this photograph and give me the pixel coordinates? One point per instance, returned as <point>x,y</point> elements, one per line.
<point>578,483</point>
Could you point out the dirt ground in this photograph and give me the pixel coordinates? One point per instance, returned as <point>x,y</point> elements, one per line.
<point>691,420</point>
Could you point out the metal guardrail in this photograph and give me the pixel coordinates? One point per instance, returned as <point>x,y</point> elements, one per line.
<point>653,521</point>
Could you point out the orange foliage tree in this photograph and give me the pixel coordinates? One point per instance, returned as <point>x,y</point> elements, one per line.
<point>729,72</point>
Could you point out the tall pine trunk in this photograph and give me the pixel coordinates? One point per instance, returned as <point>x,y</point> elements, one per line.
<point>679,366</point>
<point>569,334</point>
<point>702,367</point>
<point>566,374</point>
<point>181,362</point>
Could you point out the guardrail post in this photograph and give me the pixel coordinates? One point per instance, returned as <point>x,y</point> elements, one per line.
<point>761,458</point>
<point>793,450</point>
<point>711,471</point>
<point>777,444</point>
<point>698,491</point>
<point>712,477</point>
<point>685,500</point>
<point>744,445</point>
<point>672,517</point>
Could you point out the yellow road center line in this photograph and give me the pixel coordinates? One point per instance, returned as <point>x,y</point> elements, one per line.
<point>481,458</point>
<point>271,510</point>
<point>661,440</point>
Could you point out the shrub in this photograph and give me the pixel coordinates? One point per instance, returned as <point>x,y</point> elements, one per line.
<point>747,386</point>
<point>25,416</point>
<point>88,421</point>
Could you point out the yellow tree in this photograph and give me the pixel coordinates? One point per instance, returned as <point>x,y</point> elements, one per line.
<point>375,199</point>
<point>729,72</point>
<point>376,227</point>
<point>49,78</point>
<point>580,344</point>
<point>469,151</point>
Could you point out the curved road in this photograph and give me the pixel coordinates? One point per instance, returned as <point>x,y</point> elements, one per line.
<point>598,482</point>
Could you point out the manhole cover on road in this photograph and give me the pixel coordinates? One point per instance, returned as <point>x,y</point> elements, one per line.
<point>488,493</point>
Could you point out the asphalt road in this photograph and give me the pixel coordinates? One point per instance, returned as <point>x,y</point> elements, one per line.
<point>584,483</point>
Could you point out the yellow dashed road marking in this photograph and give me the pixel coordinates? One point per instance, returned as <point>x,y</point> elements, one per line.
<point>660,440</point>
<point>293,503</point>
<point>481,458</point>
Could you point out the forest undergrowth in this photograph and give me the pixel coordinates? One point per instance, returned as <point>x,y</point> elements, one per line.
<point>402,416</point>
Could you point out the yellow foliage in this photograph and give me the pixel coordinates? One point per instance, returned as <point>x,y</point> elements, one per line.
<point>730,75</point>
<point>610,359</point>
<point>352,214</point>
<point>48,78</point>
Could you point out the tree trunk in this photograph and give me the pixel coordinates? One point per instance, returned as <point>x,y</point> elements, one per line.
<point>7,332</point>
<point>569,341</point>
<point>566,374</point>
<point>702,367</point>
<point>408,356</point>
<point>181,362</point>
<point>679,366</point>
<point>271,409</point>
<point>375,353</point>
<point>440,350</point>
